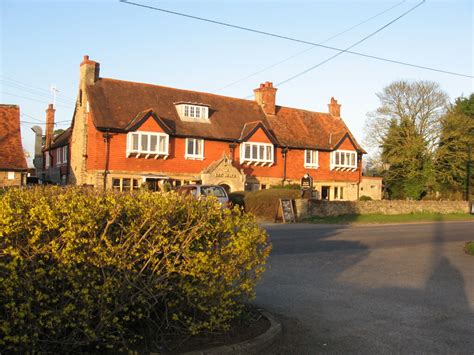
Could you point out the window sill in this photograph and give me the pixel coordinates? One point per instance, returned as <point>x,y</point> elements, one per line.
<point>311,166</point>
<point>190,157</point>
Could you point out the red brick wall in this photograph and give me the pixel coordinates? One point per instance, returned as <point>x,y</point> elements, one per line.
<point>213,150</point>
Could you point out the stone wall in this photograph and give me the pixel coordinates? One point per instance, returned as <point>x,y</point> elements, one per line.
<point>308,208</point>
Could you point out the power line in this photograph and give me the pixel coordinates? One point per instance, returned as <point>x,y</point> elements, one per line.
<point>32,87</point>
<point>29,98</point>
<point>270,34</point>
<point>351,46</point>
<point>310,48</point>
<point>35,92</point>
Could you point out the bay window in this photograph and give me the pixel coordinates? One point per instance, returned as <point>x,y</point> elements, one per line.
<point>256,153</point>
<point>147,144</point>
<point>343,159</point>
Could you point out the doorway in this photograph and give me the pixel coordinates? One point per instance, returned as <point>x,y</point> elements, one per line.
<point>325,192</point>
<point>152,184</point>
<point>226,188</point>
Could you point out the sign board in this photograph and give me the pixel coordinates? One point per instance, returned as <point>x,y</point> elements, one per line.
<point>287,212</point>
<point>306,182</point>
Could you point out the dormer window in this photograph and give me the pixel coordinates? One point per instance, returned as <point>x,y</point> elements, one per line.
<point>147,144</point>
<point>193,113</point>
<point>343,160</point>
<point>256,153</point>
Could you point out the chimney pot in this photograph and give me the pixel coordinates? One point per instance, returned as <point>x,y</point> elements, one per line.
<point>86,57</point>
<point>334,108</point>
<point>265,96</point>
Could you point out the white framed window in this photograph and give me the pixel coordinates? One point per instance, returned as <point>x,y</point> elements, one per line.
<point>194,149</point>
<point>256,153</point>
<point>64,154</point>
<point>11,175</point>
<point>147,144</point>
<point>338,193</point>
<point>59,156</point>
<point>193,112</point>
<point>311,159</point>
<point>46,159</point>
<point>343,160</point>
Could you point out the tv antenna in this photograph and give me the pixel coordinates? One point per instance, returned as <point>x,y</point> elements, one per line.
<point>54,90</point>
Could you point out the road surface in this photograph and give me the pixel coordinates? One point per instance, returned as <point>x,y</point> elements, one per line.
<point>371,289</point>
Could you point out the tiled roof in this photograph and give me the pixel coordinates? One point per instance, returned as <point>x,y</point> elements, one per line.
<point>11,149</point>
<point>117,105</point>
<point>62,139</point>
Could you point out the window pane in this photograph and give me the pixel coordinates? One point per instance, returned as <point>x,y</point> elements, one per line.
<point>353,156</point>
<point>269,153</point>
<point>125,184</point>
<point>190,147</point>
<point>144,142</point>
<point>153,143</point>
<point>135,141</point>
<point>341,192</point>
<point>315,157</point>
<point>162,144</point>
<point>191,111</point>
<point>247,151</point>
<point>308,157</point>
<point>135,184</point>
<point>254,152</point>
<point>198,112</point>
<point>261,149</point>
<point>342,159</point>
<point>116,184</point>
<point>337,158</point>
<point>199,143</point>
<point>186,110</point>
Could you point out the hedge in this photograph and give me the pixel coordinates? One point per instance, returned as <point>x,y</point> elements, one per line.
<point>84,271</point>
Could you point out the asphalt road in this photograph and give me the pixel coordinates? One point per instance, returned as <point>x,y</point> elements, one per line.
<point>371,289</point>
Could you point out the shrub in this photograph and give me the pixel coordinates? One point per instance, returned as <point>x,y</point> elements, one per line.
<point>469,248</point>
<point>264,204</point>
<point>287,187</point>
<point>365,198</point>
<point>84,271</point>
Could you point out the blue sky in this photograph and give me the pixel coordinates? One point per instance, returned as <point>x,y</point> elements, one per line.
<point>42,44</point>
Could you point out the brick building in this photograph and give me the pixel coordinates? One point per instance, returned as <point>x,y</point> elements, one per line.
<point>13,167</point>
<point>55,152</point>
<point>125,134</point>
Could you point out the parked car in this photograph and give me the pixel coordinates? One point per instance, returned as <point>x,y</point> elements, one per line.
<point>200,191</point>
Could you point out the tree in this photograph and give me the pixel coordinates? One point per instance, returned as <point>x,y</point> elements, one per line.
<point>456,139</point>
<point>406,129</point>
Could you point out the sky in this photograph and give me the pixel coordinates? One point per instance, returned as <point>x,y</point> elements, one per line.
<point>43,42</point>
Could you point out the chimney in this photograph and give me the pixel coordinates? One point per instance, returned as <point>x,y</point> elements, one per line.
<point>334,108</point>
<point>49,125</point>
<point>89,72</point>
<point>265,96</point>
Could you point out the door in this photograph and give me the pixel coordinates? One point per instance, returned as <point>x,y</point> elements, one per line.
<point>325,192</point>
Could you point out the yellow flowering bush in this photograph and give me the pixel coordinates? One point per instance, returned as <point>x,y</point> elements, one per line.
<point>82,270</point>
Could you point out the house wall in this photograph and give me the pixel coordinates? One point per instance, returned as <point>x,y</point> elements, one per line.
<point>178,167</point>
<point>55,173</point>
<point>18,179</point>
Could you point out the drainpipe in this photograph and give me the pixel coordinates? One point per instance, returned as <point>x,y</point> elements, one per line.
<point>360,174</point>
<point>284,152</point>
<point>107,137</point>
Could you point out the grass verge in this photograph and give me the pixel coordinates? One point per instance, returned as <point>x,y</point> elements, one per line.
<point>469,248</point>
<point>395,218</point>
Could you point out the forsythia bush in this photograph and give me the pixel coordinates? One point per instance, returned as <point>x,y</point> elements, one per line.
<point>82,270</point>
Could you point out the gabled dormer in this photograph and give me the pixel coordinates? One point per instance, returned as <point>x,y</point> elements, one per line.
<point>148,137</point>
<point>258,145</point>
<point>192,112</point>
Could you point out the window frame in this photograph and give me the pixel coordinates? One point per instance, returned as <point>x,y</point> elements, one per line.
<point>193,156</point>
<point>340,159</point>
<point>314,163</point>
<point>147,152</point>
<point>193,112</point>
<point>257,148</point>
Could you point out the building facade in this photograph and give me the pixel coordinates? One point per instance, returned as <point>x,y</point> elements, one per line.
<point>126,134</point>
<point>13,167</point>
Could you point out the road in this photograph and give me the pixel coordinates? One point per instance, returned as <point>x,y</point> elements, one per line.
<point>371,289</point>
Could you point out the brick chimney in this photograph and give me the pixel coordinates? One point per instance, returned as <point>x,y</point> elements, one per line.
<point>265,96</point>
<point>49,125</point>
<point>89,71</point>
<point>334,108</point>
